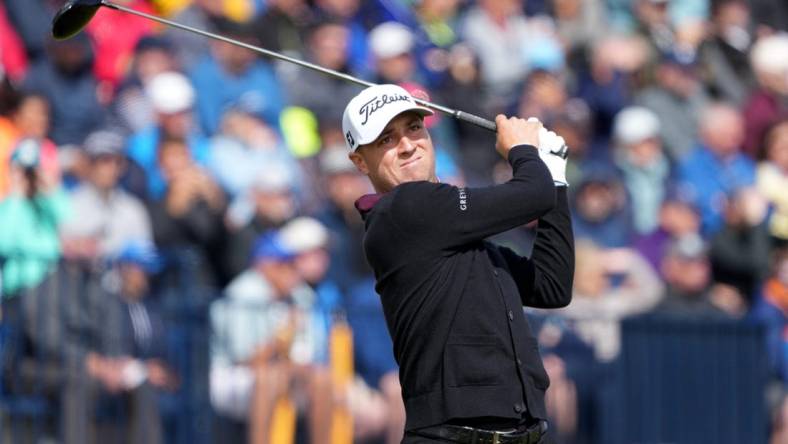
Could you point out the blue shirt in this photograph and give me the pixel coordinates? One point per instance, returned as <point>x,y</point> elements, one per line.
<point>143,148</point>
<point>709,179</point>
<point>217,89</point>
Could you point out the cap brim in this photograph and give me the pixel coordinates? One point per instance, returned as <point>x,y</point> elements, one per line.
<point>422,111</point>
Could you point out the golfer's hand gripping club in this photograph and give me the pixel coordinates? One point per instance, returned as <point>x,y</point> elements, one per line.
<point>553,152</point>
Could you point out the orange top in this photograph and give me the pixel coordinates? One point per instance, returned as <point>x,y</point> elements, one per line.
<point>777,293</point>
<point>8,136</point>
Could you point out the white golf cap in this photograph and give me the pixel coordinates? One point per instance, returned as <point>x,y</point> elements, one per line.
<point>303,234</point>
<point>367,114</point>
<point>635,124</point>
<point>390,39</point>
<point>170,93</point>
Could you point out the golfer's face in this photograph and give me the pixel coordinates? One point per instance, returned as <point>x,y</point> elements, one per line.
<point>402,153</point>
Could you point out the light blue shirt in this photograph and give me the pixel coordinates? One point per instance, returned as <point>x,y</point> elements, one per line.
<point>249,316</point>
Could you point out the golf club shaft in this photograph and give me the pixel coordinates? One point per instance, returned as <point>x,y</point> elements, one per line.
<point>461,115</point>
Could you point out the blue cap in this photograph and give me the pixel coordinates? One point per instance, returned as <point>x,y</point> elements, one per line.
<point>270,246</point>
<point>545,53</point>
<point>682,59</point>
<point>599,172</point>
<point>141,253</point>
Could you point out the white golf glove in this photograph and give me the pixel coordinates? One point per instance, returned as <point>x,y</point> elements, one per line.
<point>553,152</point>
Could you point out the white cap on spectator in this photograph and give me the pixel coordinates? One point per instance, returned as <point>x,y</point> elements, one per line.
<point>170,93</point>
<point>770,54</point>
<point>274,177</point>
<point>334,160</point>
<point>390,39</point>
<point>635,124</point>
<point>303,234</point>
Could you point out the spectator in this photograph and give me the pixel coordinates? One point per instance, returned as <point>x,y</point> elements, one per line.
<point>606,83</point>
<point>28,118</point>
<point>716,167</point>
<point>739,252</point>
<point>131,107</point>
<point>460,91</point>
<point>544,96</point>
<point>187,220</point>
<point>31,215</point>
<point>771,310</point>
<point>767,103</point>
<point>172,98</point>
<point>244,147</point>
<point>678,99</point>
<point>271,201</point>
<point>724,54</point>
<point>13,59</point>
<point>29,17</point>
<point>122,352</point>
<point>280,27</point>
<point>327,46</point>
<point>436,32</point>
<point>390,44</point>
<point>200,14</point>
<point>578,24</point>
<point>343,185</point>
<point>644,166</point>
<point>108,217</point>
<point>575,127</point>
<point>377,407</point>
<point>29,252</point>
<point>308,239</point>
<point>114,49</point>
<point>266,344</point>
<point>772,178</point>
<point>611,284</point>
<point>677,218</point>
<point>66,80</point>
<point>347,13</point>
<point>241,73</point>
<point>383,414</point>
<point>690,290</point>
<point>602,210</point>
<point>500,34</point>
<point>654,25</point>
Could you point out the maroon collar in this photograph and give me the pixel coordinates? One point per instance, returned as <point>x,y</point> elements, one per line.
<point>365,203</point>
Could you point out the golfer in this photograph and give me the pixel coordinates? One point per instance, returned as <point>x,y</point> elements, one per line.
<point>470,368</point>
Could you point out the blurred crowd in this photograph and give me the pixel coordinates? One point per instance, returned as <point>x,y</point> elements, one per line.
<point>141,165</point>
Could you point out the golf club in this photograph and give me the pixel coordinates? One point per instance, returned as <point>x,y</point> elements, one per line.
<point>76,14</point>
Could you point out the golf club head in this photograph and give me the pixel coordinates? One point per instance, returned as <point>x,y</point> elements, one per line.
<point>74,16</point>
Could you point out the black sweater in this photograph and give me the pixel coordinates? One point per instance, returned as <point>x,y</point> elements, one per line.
<point>453,301</point>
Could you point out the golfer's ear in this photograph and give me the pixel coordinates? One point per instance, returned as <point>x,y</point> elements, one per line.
<point>359,162</point>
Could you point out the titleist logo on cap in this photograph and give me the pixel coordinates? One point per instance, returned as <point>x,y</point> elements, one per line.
<point>379,102</point>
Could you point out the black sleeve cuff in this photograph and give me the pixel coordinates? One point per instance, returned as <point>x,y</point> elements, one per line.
<point>522,152</point>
